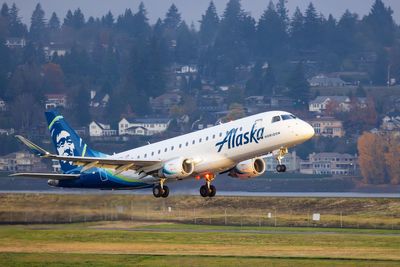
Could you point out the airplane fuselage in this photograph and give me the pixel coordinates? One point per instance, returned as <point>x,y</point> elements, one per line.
<point>212,150</point>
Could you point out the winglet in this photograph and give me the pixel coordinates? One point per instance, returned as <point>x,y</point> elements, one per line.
<point>37,150</point>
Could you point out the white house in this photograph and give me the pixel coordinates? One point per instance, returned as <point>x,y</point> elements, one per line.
<point>320,103</point>
<point>97,129</point>
<point>54,49</point>
<point>322,80</point>
<point>13,42</point>
<point>144,126</point>
<point>330,163</point>
<point>55,100</point>
<point>98,99</point>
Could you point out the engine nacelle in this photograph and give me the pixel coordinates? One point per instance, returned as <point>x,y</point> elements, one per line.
<point>248,169</point>
<point>177,168</point>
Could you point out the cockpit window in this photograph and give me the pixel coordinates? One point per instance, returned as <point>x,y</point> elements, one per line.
<point>286,117</point>
<point>276,118</point>
<point>293,116</point>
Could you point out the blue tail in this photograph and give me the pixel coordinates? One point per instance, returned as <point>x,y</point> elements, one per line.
<point>66,141</point>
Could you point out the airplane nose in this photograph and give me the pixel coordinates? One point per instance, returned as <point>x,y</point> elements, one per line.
<point>309,131</point>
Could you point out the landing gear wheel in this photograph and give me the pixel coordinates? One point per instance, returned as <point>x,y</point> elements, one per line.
<point>281,168</point>
<point>165,193</point>
<point>204,191</point>
<point>212,191</point>
<point>157,191</point>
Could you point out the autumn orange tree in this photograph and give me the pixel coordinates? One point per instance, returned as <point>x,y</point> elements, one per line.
<point>379,158</point>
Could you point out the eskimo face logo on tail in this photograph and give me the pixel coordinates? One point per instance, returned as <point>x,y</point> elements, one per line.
<point>65,146</point>
<point>235,140</point>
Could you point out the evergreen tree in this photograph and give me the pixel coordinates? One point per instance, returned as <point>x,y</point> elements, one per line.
<point>298,85</point>
<point>140,24</point>
<point>4,21</point>
<point>297,30</point>
<point>78,20</point>
<point>209,25</point>
<point>347,34</point>
<point>68,20</point>
<point>172,18</point>
<point>17,29</point>
<point>4,12</point>
<point>271,33</point>
<point>186,45</point>
<point>4,67</point>
<point>38,24</point>
<point>283,12</point>
<point>108,20</point>
<point>311,27</point>
<point>54,23</point>
<point>379,24</point>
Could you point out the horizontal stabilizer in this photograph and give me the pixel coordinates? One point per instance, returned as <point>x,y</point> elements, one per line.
<point>53,176</point>
<point>33,147</point>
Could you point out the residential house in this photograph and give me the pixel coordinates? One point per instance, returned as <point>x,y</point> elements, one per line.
<point>9,131</point>
<point>21,162</point>
<point>391,122</point>
<point>255,104</point>
<point>291,161</point>
<point>97,129</point>
<point>55,100</point>
<point>98,100</point>
<point>330,163</point>
<point>143,126</point>
<point>321,103</point>
<point>164,102</point>
<point>14,42</point>
<point>3,105</point>
<point>185,69</point>
<point>323,80</point>
<point>327,127</point>
<point>54,49</point>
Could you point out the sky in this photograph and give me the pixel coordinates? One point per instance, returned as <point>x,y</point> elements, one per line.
<point>191,10</point>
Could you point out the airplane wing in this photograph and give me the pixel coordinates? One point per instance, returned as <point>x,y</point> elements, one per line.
<point>54,176</point>
<point>119,165</point>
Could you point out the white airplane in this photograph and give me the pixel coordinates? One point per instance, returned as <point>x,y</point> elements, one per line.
<point>235,147</point>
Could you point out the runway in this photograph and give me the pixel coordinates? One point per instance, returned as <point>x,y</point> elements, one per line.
<point>196,193</point>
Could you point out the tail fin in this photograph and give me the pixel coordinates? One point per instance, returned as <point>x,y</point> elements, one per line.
<point>66,141</point>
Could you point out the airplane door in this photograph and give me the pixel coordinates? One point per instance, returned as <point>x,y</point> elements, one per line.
<point>103,175</point>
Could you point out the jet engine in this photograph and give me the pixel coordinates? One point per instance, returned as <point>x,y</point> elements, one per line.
<point>176,168</point>
<point>248,169</point>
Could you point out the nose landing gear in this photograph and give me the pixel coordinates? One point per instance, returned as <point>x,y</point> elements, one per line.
<point>282,152</point>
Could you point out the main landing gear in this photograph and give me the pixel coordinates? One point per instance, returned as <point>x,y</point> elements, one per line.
<point>161,190</point>
<point>208,190</point>
<point>282,152</point>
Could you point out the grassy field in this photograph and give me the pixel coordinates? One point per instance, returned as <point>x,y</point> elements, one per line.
<point>141,244</point>
<point>239,211</point>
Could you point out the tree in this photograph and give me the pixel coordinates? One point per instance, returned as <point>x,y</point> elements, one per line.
<point>262,81</point>
<point>379,24</point>
<point>298,85</point>
<point>54,23</point>
<point>68,20</point>
<point>108,20</point>
<point>17,29</point>
<point>38,24</point>
<point>186,45</point>
<point>140,24</point>
<point>371,150</point>
<point>392,157</point>
<point>346,43</point>
<point>271,33</point>
<point>297,30</point>
<point>172,18</point>
<point>209,25</point>
<point>236,111</point>
<point>311,27</point>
